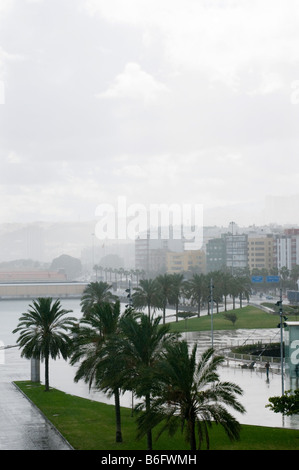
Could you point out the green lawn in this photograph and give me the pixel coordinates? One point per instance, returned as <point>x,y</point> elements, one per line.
<point>90,425</point>
<point>247,317</point>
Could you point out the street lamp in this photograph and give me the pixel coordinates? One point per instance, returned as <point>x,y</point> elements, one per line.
<point>281,325</point>
<point>232,271</point>
<point>211,298</point>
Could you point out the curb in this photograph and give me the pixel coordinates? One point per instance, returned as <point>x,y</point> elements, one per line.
<point>45,417</point>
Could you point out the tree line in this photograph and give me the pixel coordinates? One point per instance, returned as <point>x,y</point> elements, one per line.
<point>117,274</point>
<point>198,291</point>
<point>289,277</point>
<point>117,351</point>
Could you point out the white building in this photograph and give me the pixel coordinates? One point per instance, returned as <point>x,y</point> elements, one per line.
<point>286,249</point>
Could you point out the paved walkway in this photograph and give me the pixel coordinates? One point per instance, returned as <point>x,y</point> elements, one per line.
<point>23,427</point>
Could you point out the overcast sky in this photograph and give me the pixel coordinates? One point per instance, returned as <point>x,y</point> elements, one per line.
<point>157,101</point>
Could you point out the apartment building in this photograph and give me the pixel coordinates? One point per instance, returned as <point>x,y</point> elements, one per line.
<point>236,252</point>
<point>186,261</point>
<point>286,249</point>
<point>215,254</point>
<point>260,253</point>
<point>229,251</point>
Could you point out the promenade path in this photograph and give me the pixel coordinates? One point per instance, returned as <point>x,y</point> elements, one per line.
<point>23,427</point>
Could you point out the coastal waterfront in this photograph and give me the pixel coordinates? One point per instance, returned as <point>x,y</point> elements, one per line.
<point>257,389</point>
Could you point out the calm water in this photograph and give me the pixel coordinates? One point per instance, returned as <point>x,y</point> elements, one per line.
<point>256,388</point>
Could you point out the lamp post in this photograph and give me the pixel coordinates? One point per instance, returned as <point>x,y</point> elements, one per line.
<point>281,342</point>
<point>232,266</point>
<point>211,298</point>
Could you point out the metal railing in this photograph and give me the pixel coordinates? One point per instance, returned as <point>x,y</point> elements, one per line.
<point>251,358</point>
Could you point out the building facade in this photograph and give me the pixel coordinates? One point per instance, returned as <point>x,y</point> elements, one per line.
<point>215,255</point>
<point>236,252</point>
<point>286,249</point>
<point>150,253</point>
<point>228,252</point>
<point>260,253</point>
<point>192,260</point>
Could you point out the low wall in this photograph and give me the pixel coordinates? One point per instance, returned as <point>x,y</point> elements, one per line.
<point>33,290</point>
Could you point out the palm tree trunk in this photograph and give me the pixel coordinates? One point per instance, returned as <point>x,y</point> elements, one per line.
<point>47,373</point>
<point>118,436</point>
<point>192,439</point>
<point>149,433</point>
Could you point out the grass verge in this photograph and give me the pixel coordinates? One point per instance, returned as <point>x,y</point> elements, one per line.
<point>90,425</point>
<point>248,317</point>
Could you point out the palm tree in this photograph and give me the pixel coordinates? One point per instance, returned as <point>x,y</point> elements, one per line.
<point>244,288</point>
<point>100,268</point>
<point>121,273</point>
<point>284,273</point>
<point>92,350</point>
<point>146,295</point>
<point>115,272</point>
<point>95,268</point>
<point>216,277</point>
<point>140,348</point>
<point>165,290</point>
<point>195,290</point>
<point>294,275</point>
<point>138,273</point>
<point>192,396</point>
<point>234,289</point>
<point>177,289</point>
<point>225,281</point>
<point>239,286</point>
<point>95,293</point>
<point>44,332</point>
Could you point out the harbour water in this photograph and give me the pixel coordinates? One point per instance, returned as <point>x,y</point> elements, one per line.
<point>254,383</point>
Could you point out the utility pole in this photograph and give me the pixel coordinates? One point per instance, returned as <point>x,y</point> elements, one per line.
<point>211,298</point>
<point>232,266</point>
<point>281,325</point>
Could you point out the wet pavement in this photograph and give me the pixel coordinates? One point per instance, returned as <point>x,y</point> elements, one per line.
<point>23,427</point>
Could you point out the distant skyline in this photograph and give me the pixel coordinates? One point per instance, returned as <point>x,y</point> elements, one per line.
<point>44,241</point>
<point>162,102</point>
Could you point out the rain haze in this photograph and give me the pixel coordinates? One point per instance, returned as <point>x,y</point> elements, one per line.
<point>158,102</point>
<point>134,105</point>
